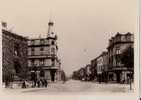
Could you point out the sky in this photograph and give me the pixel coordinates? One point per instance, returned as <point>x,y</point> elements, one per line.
<point>83,26</point>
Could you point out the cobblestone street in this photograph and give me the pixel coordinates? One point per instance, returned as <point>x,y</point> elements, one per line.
<point>73,86</point>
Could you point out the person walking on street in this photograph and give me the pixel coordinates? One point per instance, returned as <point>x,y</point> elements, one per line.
<point>24,84</point>
<point>38,83</point>
<point>45,82</point>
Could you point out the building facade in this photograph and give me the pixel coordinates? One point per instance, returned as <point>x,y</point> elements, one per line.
<point>94,69</point>
<point>102,67</point>
<point>14,56</point>
<point>88,72</point>
<point>42,56</point>
<point>117,45</point>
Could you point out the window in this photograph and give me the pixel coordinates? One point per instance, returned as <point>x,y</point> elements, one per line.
<point>41,61</point>
<point>42,41</point>
<point>118,38</point>
<point>52,43</point>
<point>32,51</point>
<point>16,50</point>
<point>42,49</point>
<point>53,50</point>
<point>52,60</point>
<point>123,38</point>
<point>32,42</point>
<point>32,62</point>
<point>128,38</point>
<point>118,50</point>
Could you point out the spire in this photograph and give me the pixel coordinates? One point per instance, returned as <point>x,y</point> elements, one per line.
<point>50,30</point>
<point>4,25</point>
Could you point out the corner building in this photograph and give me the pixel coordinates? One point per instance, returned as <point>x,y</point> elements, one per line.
<point>14,56</point>
<point>117,45</point>
<point>42,56</point>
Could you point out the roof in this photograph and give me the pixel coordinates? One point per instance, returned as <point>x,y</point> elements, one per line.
<point>13,35</point>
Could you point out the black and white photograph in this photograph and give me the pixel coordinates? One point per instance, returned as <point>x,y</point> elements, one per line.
<point>73,47</point>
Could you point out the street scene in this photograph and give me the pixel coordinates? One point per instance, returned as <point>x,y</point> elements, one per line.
<point>73,86</point>
<point>87,52</point>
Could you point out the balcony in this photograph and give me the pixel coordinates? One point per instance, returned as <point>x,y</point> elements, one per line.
<point>120,68</point>
<point>43,67</point>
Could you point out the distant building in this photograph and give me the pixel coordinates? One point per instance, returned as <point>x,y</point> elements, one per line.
<point>94,69</point>
<point>88,72</point>
<point>14,56</point>
<point>82,74</point>
<point>42,56</point>
<point>117,45</point>
<point>102,67</point>
<point>105,66</point>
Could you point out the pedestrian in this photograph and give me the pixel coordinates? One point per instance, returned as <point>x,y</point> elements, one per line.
<point>38,83</point>
<point>23,84</point>
<point>35,81</point>
<point>45,82</point>
<point>7,82</point>
<point>128,79</point>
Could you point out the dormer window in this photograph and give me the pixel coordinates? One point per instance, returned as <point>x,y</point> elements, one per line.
<point>118,37</point>
<point>128,37</point>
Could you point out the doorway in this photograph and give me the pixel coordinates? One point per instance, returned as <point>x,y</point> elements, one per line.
<point>52,73</point>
